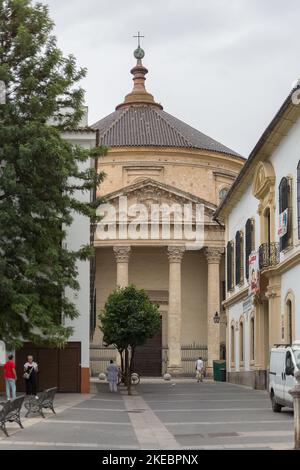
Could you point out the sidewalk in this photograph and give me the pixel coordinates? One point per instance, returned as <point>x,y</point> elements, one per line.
<point>179,414</point>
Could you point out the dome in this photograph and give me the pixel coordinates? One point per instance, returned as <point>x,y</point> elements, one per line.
<point>141,122</point>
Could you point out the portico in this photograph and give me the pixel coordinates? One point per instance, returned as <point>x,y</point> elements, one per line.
<point>178,281</point>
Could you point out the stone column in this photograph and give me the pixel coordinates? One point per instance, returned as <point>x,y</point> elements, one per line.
<point>175,254</point>
<point>122,254</point>
<point>213,256</point>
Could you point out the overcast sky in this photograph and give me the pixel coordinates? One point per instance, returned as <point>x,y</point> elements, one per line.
<point>222,66</point>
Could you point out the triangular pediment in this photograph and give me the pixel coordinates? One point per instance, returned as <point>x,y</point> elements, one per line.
<point>149,211</point>
<point>149,191</point>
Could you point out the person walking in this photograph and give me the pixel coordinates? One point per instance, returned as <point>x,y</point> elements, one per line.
<point>199,369</point>
<point>112,373</point>
<point>10,377</point>
<point>30,372</point>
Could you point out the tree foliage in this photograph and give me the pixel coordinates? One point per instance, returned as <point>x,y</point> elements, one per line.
<point>40,173</point>
<point>128,320</point>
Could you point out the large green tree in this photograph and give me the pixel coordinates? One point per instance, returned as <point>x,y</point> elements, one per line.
<point>128,320</point>
<point>39,175</point>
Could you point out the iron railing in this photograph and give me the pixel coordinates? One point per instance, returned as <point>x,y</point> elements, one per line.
<point>268,255</point>
<point>101,355</point>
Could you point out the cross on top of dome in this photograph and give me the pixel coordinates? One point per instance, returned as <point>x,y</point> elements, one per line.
<point>139,94</point>
<point>139,52</point>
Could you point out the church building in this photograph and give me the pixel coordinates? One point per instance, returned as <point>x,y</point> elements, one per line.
<point>162,173</point>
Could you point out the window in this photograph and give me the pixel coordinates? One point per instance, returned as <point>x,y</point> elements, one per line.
<point>284,205</point>
<point>249,243</point>
<point>298,197</point>
<point>288,319</point>
<point>241,342</point>
<point>222,194</point>
<point>289,361</point>
<point>230,265</point>
<point>252,340</point>
<point>289,314</point>
<point>232,345</point>
<point>239,258</point>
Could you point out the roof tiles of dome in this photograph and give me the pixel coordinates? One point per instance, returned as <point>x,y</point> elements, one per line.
<point>141,122</point>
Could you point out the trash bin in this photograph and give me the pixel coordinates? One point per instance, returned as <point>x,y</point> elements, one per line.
<point>223,375</point>
<point>217,366</point>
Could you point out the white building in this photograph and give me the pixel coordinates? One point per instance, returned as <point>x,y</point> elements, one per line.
<point>79,235</point>
<point>262,215</point>
<point>68,368</point>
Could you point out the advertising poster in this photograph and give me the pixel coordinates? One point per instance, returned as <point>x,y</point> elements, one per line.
<point>253,273</point>
<point>283,223</point>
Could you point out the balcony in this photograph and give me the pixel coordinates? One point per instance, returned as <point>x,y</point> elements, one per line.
<point>268,255</point>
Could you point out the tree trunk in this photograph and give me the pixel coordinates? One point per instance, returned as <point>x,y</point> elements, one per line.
<point>127,372</point>
<point>131,359</point>
<point>122,365</point>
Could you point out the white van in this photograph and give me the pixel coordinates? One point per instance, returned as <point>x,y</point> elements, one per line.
<point>284,361</point>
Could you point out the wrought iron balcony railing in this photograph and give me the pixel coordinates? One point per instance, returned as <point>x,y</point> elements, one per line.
<point>268,255</point>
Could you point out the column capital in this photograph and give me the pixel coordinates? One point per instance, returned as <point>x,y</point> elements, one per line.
<point>273,291</point>
<point>175,253</point>
<point>213,255</point>
<point>122,253</point>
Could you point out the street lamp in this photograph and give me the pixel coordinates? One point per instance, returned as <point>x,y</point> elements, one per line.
<point>216,318</point>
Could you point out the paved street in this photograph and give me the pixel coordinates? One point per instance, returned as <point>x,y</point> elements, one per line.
<point>163,415</point>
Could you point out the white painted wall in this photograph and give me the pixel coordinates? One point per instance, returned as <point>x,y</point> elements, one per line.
<point>285,161</point>
<point>244,210</point>
<point>78,235</point>
<point>235,312</point>
<point>290,281</point>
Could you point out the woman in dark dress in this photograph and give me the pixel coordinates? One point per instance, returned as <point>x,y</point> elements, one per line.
<point>30,371</point>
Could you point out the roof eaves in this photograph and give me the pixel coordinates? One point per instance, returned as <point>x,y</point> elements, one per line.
<point>263,139</point>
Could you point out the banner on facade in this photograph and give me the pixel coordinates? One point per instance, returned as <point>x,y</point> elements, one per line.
<point>253,273</point>
<point>283,223</point>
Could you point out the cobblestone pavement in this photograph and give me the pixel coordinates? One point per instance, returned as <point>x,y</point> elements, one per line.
<point>160,415</point>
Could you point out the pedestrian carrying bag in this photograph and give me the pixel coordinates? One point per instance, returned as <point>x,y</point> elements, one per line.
<point>26,375</point>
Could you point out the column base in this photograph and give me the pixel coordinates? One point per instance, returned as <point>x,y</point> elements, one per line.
<point>209,372</point>
<point>175,370</point>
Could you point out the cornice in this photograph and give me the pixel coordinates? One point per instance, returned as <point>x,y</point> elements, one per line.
<point>284,266</point>
<point>243,293</point>
<point>177,151</point>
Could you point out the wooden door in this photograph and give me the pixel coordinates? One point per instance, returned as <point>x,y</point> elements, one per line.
<point>148,358</point>
<point>57,367</point>
<point>69,368</point>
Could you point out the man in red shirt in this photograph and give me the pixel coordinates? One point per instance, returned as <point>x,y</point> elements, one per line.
<point>10,377</point>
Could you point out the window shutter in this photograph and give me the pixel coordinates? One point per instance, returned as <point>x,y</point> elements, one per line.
<point>229,266</point>
<point>249,244</point>
<point>238,257</point>
<point>298,197</point>
<point>283,205</point>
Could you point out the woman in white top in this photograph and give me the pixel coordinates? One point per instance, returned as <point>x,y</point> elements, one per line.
<point>30,371</point>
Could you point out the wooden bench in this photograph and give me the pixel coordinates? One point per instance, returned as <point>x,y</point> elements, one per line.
<point>10,412</point>
<point>44,400</point>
